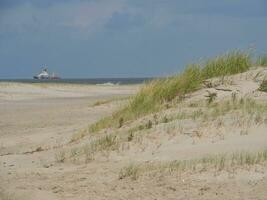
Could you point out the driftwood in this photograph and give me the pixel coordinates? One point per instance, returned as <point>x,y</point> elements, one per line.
<point>38,149</point>
<point>224,89</point>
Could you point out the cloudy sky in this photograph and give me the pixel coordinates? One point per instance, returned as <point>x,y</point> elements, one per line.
<point>123,38</point>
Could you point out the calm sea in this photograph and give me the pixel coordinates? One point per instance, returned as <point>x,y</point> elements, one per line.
<point>94,81</point>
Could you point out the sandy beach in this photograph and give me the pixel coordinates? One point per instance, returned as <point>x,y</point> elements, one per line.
<point>40,159</point>
<point>46,115</point>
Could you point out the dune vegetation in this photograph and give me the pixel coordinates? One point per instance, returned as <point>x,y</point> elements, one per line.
<point>217,162</point>
<point>159,93</point>
<point>262,60</point>
<point>246,110</point>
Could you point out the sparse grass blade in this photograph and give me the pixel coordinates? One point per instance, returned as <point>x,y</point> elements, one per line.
<point>218,163</point>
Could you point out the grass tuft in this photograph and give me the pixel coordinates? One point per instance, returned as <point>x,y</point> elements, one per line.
<point>105,143</point>
<point>129,171</point>
<point>60,156</point>
<point>108,142</point>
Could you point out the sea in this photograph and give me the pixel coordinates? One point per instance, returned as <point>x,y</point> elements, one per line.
<point>88,81</point>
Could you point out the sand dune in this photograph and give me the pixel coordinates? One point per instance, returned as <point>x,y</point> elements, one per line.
<point>39,159</point>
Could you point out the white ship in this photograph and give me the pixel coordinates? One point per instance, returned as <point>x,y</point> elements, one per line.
<point>44,75</point>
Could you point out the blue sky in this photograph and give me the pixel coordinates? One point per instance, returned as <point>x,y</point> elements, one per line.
<point>124,38</point>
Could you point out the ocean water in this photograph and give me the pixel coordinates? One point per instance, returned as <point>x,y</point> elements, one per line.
<point>92,81</point>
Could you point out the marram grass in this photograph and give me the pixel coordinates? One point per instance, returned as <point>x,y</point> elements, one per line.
<point>230,63</point>
<point>217,162</point>
<point>153,95</point>
<point>248,108</point>
<point>262,60</point>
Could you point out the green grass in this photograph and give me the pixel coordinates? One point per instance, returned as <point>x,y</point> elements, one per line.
<point>262,60</point>
<point>208,112</point>
<point>231,63</point>
<point>108,142</point>
<point>217,162</point>
<point>105,143</point>
<point>247,107</point>
<point>239,108</point>
<point>154,95</point>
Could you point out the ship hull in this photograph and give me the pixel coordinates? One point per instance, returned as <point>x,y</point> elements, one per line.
<point>46,78</point>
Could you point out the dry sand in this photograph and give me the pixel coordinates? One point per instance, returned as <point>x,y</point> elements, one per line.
<point>37,122</point>
<point>46,116</point>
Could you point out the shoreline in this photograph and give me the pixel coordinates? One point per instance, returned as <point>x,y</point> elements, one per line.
<point>19,91</point>
<point>83,81</point>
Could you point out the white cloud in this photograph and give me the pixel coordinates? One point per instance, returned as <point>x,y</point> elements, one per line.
<point>83,17</point>
<point>90,16</point>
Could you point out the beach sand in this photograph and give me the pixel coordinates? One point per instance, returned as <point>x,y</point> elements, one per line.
<point>46,115</point>
<point>39,160</point>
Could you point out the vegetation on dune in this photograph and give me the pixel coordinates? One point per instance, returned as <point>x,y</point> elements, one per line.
<point>230,63</point>
<point>217,162</point>
<point>245,111</point>
<point>60,156</point>
<point>154,95</point>
<point>262,60</point>
<point>243,108</point>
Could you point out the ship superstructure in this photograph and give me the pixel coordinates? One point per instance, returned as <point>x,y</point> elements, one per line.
<point>44,75</point>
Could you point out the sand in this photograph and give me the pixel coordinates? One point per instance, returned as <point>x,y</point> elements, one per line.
<point>37,122</point>
<point>46,115</point>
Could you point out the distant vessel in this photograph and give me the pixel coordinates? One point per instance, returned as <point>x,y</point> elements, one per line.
<point>44,75</point>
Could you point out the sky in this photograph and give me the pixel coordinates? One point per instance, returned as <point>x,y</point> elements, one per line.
<point>124,38</point>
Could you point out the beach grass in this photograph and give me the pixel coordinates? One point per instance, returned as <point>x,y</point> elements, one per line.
<point>154,95</point>
<point>217,162</point>
<point>244,110</point>
<point>262,60</point>
<point>230,63</point>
